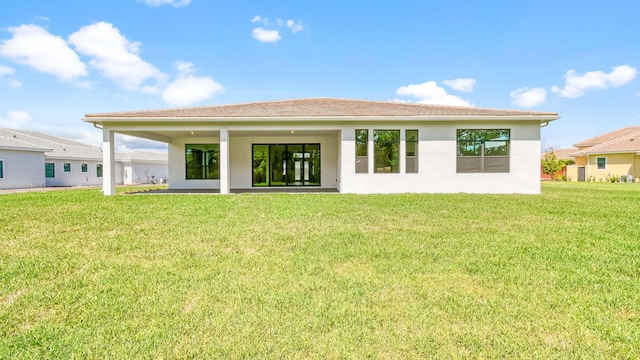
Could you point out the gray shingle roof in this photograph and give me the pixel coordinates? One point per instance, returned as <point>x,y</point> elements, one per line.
<point>318,107</point>
<point>10,140</point>
<point>59,147</point>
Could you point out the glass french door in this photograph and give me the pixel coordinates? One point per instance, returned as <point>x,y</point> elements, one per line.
<point>286,165</point>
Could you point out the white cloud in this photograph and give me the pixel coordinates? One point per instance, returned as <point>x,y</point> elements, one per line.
<point>15,83</point>
<point>114,56</point>
<point>526,97</point>
<point>33,46</point>
<point>430,93</point>
<point>15,120</point>
<point>576,85</point>
<point>187,88</point>
<point>174,3</point>
<point>460,84</point>
<point>263,35</point>
<point>295,27</point>
<point>184,67</point>
<point>5,70</point>
<point>270,31</point>
<point>260,19</point>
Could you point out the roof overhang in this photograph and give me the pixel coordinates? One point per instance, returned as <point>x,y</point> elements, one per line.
<point>591,153</point>
<point>21,148</point>
<point>316,119</point>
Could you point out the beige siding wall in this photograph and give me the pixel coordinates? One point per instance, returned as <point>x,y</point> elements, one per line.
<point>572,173</point>
<point>581,160</point>
<point>616,165</point>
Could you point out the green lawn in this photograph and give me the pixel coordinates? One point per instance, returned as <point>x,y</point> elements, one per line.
<point>545,276</point>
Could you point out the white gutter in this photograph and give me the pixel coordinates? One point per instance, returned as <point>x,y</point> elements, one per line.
<point>19,148</point>
<point>99,120</point>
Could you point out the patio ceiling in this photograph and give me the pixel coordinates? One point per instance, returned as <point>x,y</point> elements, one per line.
<point>169,135</point>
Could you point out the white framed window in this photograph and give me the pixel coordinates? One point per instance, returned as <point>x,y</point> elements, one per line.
<point>49,170</point>
<point>411,151</point>
<point>483,150</point>
<point>601,163</point>
<point>362,151</point>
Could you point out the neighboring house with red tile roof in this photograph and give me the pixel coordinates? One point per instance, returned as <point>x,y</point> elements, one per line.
<point>30,159</point>
<point>613,154</point>
<point>350,146</point>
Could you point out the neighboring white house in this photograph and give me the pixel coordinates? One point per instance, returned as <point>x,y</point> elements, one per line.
<point>34,159</point>
<point>21,163</point>
<point>141,167</point>
<point>352,146</point>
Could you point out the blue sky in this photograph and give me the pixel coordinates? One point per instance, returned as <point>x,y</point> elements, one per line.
<point>62,59</point>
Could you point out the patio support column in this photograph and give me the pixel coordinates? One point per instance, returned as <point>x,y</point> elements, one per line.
<point>224,161</point>
<point>370,156</point>
<point>108,163</point>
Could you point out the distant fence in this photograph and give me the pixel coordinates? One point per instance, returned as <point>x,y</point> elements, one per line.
<point>560,173</point>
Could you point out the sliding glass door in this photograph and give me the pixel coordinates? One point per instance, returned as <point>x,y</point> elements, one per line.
<point>286,165</point>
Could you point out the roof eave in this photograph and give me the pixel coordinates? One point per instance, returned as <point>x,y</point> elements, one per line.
<point>20,148</point>
<point>607,152</point>
<point>540,118</point>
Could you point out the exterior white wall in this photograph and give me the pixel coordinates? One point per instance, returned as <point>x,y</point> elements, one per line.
<point>437,162</point>
<point>241,157</point>
<point>436,156</point>
<point>240,160</point>
<point>22,169</point>
<point>135,172</point>
<point>75,177</point>
<point>177,173</point>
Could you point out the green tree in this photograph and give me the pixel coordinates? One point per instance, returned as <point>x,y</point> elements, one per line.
<point>550,163</point>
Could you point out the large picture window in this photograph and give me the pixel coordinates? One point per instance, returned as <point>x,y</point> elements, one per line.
<point>386,154</point>
<point>362,153</point>
<point>411,145</point>
<point>202,161</point>
<point>482,151</point>
<point>49,170</point>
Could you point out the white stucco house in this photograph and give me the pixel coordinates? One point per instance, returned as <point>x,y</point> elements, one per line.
<point>350,146</point>
<point>21,162</point>
<point>30,159</point>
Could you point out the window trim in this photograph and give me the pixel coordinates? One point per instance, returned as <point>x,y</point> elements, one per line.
<point>605,163</point>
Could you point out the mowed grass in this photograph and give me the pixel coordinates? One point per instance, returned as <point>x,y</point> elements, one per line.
<point>545,276</point>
